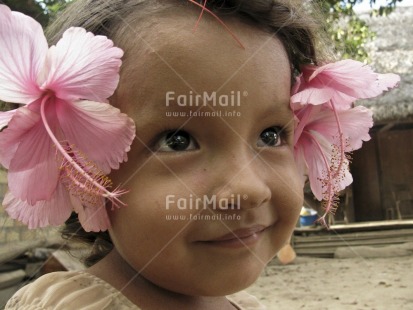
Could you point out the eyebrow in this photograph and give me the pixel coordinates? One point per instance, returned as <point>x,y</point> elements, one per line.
<point>282,109</point>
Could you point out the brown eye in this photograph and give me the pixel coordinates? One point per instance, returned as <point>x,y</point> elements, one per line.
<point>270,137</point>
<point>176,141</point>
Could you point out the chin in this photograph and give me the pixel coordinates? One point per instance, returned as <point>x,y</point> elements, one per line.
<point>232,281</point>
<point>240,276</point>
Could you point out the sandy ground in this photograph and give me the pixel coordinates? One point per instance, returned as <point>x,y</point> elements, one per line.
<point>352,283</point>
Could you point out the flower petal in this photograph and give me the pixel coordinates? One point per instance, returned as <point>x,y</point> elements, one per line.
<point>357,79</point>
<point>83,66</point>
<point>301,163</point>
<point>349,74</point>
<point>43,213</point>
<point>92,218</point>
<point>100,131</point>
<point>342,101</point>
<point>5,118</point>
<point>387,81</point>
<point>317,144</point>
<point>23,120</point>
<point>23,51</point>
<point>315,94</point>
<point>29,154</point>
<point>356,123</point>
<point>343,82</point>
<point>317,169</point>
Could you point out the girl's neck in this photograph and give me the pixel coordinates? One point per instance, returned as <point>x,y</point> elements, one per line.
<point>114,270</point>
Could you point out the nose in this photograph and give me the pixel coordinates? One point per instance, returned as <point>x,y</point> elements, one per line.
<point>242,184</point>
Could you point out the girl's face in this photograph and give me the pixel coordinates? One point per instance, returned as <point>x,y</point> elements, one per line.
<point>238,160</point>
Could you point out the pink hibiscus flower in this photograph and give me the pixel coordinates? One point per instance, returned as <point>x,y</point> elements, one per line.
<point>59,146</point>
<point>328,128</point>
<point>321,150</point>
<point>341,82</point>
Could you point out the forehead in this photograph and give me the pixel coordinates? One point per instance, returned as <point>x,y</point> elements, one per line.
<point>164,54</point>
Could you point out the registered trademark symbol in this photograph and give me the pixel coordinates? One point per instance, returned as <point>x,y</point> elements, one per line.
<point>245,197</point>
<point>245,93</point>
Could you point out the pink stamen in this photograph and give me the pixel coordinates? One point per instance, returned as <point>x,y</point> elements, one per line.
<point>204,8</point>
<point>342,147</point>
<point>101,190</point>
<point>200,16</point>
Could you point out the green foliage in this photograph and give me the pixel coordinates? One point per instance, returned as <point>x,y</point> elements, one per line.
<point>41,10</point>
<point>52,7</point>
<point>6,106</point>
<point>348,32</point>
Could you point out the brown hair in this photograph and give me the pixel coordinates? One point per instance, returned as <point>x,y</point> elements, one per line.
<point>292,21</point>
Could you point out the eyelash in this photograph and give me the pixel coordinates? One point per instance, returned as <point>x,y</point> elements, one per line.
<point>278,132</point>
<point>164,141</point>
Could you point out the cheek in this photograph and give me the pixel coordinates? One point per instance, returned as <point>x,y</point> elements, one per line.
<point>290,203</point>
<point>145,214</point>
<point>287,204</point>
<point>153,204</point>
<point>144,236</point>
<point>288,195</point>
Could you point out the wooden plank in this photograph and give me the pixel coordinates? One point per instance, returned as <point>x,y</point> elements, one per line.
<point>374,225</point>
<point>387,127</point>
<point>330,241</point>
<point>324,245</point>
<point>322,251</point>
<point>353,243</point>
<point>11,278</point>
<point>356,227</point>
<point>394,250</point>
<point>12,250</point>
<point>355,236</point>
<point>317,252</point>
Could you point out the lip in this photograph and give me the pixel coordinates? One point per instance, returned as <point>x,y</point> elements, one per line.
<point>238,238</point>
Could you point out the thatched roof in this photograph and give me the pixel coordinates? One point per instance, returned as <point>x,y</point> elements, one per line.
<point>392,51</point>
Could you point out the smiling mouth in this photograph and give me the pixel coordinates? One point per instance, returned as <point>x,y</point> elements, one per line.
<point>238,238</point>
